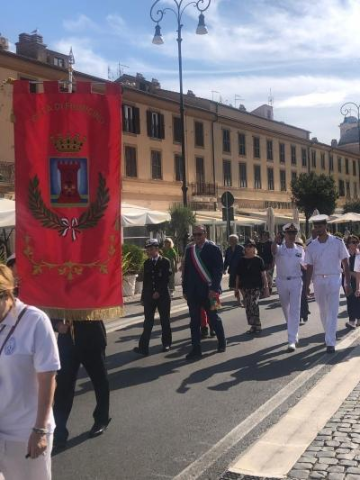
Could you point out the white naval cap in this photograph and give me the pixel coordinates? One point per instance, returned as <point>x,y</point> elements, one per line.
<point>319,218</point>
<point>291,227</point>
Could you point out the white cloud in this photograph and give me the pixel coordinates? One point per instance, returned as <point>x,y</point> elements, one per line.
<point>81,24</point>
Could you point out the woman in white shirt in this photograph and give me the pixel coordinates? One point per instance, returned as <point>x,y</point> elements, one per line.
<point>29,360</point>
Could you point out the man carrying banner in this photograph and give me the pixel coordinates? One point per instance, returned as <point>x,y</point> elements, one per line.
<point>203,269</point>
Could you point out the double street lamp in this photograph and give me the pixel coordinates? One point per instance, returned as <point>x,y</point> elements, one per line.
<point>346,110</point>
<point>156,16</point>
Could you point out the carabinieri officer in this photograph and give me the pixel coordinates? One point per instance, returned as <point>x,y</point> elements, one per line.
<point>324,257</point>
<point>155,295</point>
<point>288,260</point>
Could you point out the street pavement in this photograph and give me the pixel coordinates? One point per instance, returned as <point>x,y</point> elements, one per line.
<point>177,420</point>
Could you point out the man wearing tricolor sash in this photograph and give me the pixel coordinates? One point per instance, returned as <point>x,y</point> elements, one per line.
<point>203,269</point>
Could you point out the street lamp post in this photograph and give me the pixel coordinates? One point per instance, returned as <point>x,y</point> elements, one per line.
<point>156,16</point>
<point>346,109</point>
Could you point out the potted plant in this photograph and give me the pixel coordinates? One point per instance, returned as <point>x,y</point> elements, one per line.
<point>133,258</point>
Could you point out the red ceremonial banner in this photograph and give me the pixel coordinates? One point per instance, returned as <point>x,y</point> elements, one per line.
<point>67,191</point>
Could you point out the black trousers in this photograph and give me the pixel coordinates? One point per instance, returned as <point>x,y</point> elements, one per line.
<point>150,306</point>
<point>93,360</point>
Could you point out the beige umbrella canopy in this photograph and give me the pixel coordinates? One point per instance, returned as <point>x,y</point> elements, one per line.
<point>346,218</point>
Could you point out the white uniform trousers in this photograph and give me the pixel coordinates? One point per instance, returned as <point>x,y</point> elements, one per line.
<point>327,292</point>
<point>14,465</point>
<point>290,298</point>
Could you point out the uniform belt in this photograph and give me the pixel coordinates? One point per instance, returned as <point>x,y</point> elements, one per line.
<point>325,275</point>
<point>288,278</point>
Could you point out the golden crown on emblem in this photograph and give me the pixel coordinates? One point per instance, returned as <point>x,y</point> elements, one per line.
<point>68,143</point>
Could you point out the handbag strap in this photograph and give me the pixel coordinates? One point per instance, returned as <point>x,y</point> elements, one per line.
<point>12,329</point>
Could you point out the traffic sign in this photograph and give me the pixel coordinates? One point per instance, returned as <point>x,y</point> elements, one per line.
<point>227,199</point>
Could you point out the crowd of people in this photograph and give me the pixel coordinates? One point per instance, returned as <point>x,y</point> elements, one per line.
<point>38,371</point>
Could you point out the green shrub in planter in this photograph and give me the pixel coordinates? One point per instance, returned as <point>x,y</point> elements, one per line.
<point>133,258</point>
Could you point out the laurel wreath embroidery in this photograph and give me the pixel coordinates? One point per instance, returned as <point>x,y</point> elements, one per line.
<point>63,225</point>
<point>68,269</point>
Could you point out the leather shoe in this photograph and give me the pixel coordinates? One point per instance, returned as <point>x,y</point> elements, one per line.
<point>166,348</point>
<point>140,351</point>
<point>195,354</point>
<point>221,348</point>
<point>330,349</point>
<point>98,429</point>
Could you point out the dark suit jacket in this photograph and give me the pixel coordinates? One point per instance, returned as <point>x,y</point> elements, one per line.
<point>232,258</point>
<point>193,285</point>
<point>156,278</point>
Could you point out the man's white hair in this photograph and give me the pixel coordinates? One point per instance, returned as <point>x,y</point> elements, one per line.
<point>234,236</point>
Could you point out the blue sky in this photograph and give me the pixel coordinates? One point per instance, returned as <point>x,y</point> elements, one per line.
<point>306,51</point>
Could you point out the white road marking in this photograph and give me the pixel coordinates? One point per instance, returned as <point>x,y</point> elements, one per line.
<point>205,461</point>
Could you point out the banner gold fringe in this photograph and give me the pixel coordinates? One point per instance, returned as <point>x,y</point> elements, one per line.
<point>84,315</point>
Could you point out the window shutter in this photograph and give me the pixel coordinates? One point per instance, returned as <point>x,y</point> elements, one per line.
<point>123,118</point>
<point>136,120</point>
<point>148,121</point>
<point>162,125</point>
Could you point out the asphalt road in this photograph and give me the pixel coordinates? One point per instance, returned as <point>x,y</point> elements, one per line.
<point>166,412</point>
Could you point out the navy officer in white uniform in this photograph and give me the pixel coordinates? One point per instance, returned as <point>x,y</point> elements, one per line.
<point>324,257</point>
<point>288,260</point>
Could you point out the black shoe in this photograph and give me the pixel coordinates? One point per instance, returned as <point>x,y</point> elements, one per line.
<point>195,354</point>
<point>59,444</point>
<point>98,428</point>
<point>212,333</point>
<point>330,349</point>
<point>166,348</point>
<point>221,348</point>
<point>251,331</point>
<point>204,332</point>
<point>257,331</point>
<point>141,351</point>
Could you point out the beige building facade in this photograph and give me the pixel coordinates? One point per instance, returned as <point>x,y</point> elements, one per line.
<point>248,153</point>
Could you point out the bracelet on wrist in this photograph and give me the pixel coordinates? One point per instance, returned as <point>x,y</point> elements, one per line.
<point>40,431</point>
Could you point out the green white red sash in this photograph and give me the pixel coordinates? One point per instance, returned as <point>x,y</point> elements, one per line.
<point>199,265</point>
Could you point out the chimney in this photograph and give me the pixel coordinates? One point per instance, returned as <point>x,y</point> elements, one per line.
<point>31,45</point>
<point>4,43</point>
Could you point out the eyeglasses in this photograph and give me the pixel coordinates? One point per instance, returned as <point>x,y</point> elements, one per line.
<point>200,234</point>
<point>353,242</point>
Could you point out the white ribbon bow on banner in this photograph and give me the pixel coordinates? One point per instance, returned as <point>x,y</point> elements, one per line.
<point>69,227</point>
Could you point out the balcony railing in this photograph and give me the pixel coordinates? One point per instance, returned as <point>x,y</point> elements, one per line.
<point>202,189</point>
<point>7,173</point>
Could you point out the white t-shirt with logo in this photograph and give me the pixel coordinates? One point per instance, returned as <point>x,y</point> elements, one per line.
<point>31,349</point>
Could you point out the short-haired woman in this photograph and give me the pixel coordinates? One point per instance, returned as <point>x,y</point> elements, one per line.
<point>29,360</point>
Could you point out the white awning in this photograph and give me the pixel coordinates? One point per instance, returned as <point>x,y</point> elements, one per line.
<point>7,213</point>
<point>216,217</point>
<point>135,216</point>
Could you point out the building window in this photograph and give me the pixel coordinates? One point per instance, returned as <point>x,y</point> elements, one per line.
<point>270,174</point>
<point>131,119</point>
<point>293,155</point>
<point>227,173</point>
<point>177,136</point>
<point>355,190</point>
<point>283,180</point>
<point>155,124</point>
<point>178,167</point>
<point>313,158</point>
<point>269,150</point>
<point>322,160</point>
<point>339,164</point>
<point>242,175</point>
<point>303,157</point>
<point>156,170</point>
<point>282,152</point>
<point>199,134</point>
<point>33,84</point>
<point>256,147</point>
<point>257,177</point>
<point>331,163</point>
<point>200,170</point>
<point>341,188</point>
<point>226,140</point>
<point>346,166</point>
<point>354,168</point>
<point>242,145</point>
<point>130,162</point>
<point>348,194</point>
<point>293,176</point>
<point>59,62</point>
